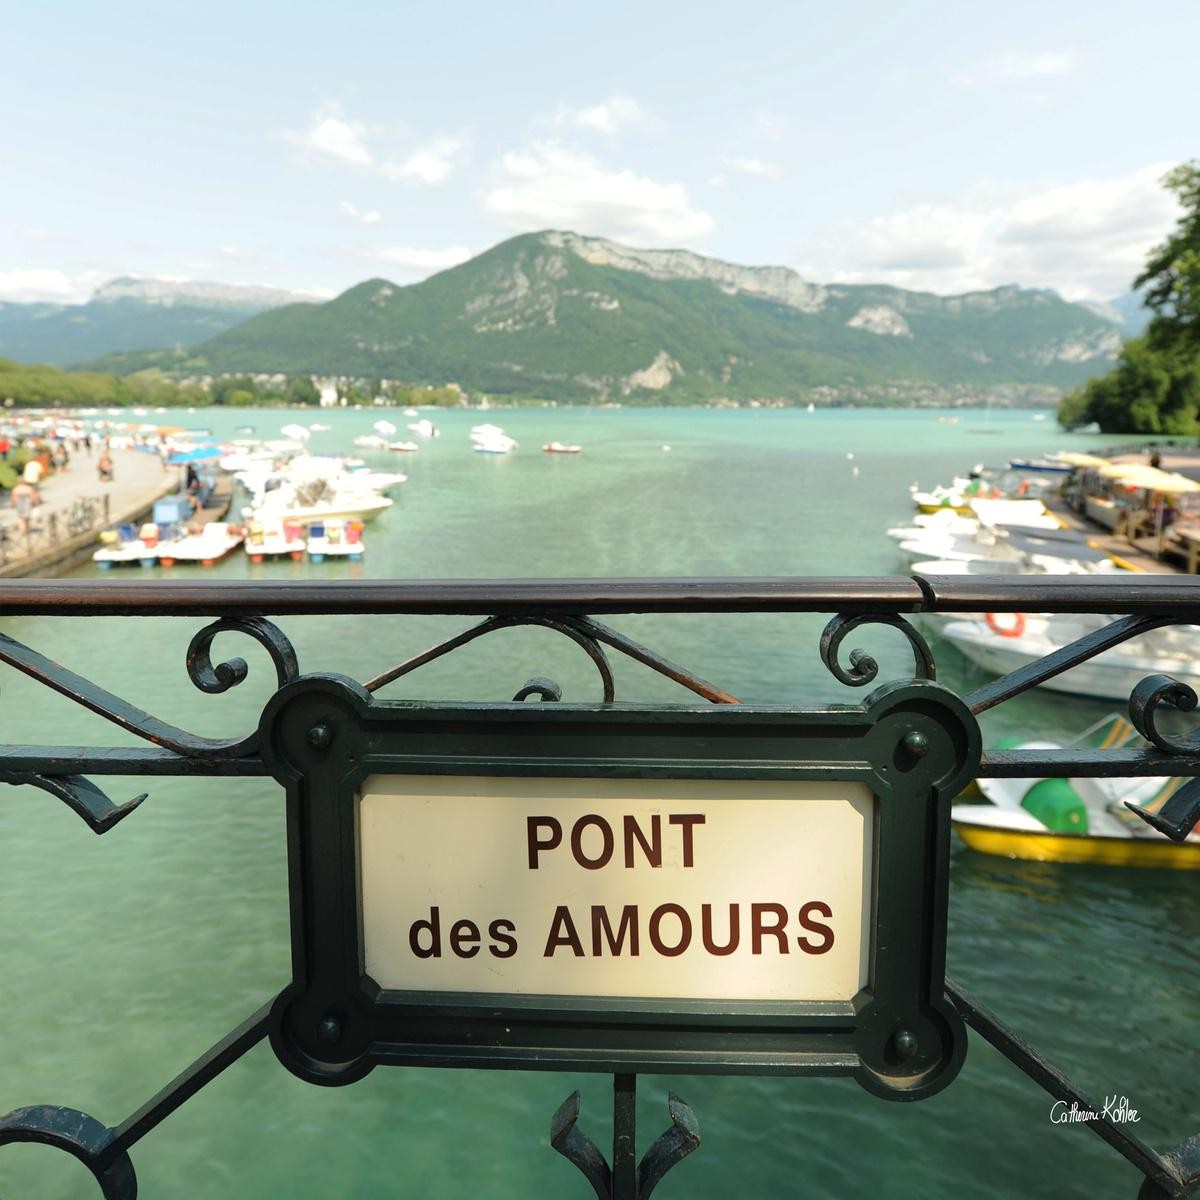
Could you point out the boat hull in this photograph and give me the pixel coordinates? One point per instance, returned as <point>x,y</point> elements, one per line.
<point>1108,675</point>
<point>1097,850</point>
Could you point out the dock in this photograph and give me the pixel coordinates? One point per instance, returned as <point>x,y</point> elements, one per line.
<point>1140,554</point>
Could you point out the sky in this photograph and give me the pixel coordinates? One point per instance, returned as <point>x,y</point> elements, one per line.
<point>944,146</point>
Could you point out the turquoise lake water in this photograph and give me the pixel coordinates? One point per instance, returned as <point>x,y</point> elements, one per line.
<point>127,956</point>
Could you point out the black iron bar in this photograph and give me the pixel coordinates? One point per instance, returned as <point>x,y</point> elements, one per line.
<point>119,760</point>
<point>624,1159</point>
<point>1085,763</point>
<point>1050,1079</point>
<point>1127,592</point>
<point>656,662</point>
<point>486,597</point>
<point>1177,596</point>
<point>186,1084</point>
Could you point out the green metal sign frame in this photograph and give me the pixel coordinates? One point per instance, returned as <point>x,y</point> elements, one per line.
<point>914,745</point>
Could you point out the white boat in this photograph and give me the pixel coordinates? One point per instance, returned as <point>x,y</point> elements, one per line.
<point>274,539</point>
<point>288,503</point>
<point>371,441</point>
<point>122,548</point>
<point>423,428</point>
<point>317,428</point>
<point>491,439</point>
<point>559,448</point>
<point>403,447</point>
<point>206,546</point>
<point>386,428</point>
<point>335,539</point>
<point>1003,642</point>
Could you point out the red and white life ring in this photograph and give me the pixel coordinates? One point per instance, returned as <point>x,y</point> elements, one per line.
<point>1013,630</point>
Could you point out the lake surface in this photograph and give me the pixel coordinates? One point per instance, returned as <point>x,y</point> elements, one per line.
<point>127,956</point>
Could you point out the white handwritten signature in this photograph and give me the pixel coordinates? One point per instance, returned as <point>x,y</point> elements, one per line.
<point>1116,1109</point>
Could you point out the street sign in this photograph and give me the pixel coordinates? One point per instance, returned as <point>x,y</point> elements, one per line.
<point>710,889</point>
<point>618,888</point>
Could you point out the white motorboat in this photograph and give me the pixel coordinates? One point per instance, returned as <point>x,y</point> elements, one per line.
<point>559,448</point>
<point>491,439</point>
<point>1004,642</point>
<point>290,503</point>
<point>371,441</point>
<point>403,447</point>
<point>423,428</point>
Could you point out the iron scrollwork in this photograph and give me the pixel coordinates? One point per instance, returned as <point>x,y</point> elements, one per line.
<point>863,668</point>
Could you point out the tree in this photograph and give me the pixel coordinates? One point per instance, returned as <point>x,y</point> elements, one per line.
<point>1155,385</point>
<point>301,390</point>
<point>1172,275</point>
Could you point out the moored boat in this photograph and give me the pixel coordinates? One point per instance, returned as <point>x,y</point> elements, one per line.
<point>205,545</point>
<point>274,539</point>
<point>335,539</point>
<point>1077,820</point>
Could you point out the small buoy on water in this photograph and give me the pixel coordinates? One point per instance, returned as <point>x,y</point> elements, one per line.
<point>849,455</point>
<point>667,449</point>
<point>854,471</point>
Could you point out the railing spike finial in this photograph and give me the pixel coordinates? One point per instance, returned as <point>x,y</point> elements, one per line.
<point>624,1181</point>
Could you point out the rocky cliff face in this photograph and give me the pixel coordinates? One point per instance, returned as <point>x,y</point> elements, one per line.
<point>772,283</point>
<point>189,293</point>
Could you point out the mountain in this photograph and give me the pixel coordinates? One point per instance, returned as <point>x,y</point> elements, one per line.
<point>129,314</point>
<point>561,316</point>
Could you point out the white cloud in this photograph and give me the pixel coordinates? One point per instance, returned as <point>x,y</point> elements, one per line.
<point>609,117</point>
<point>1019,67</point>
<point>549,185</point>
<point>332,136</point>
<point>420,262</point>
<point>44,285</point>
<point>753,166</point>
<point>370,217</point>
<point>429,164</point>
<point>1087,240</point>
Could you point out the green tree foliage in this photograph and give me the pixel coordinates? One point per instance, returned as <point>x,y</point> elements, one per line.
<point>1147,392</point>
<point>301,390</point>
<point>39,386</point>
<point>1155,385</point>
<point>1172,275</point>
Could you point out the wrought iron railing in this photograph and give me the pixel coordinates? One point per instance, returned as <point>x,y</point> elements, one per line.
<point>572,608</point>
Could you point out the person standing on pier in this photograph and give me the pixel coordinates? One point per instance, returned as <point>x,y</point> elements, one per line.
<point>25,499</point>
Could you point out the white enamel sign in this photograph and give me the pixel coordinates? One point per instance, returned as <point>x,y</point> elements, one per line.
<point>699,889</point>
